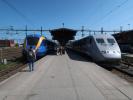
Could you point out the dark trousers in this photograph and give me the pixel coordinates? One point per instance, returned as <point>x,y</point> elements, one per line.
<point>31,65</point>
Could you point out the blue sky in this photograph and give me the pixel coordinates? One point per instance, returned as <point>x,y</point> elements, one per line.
<point>50,14</point>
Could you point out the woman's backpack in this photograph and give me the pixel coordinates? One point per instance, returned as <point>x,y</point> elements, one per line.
<point>30,54</point>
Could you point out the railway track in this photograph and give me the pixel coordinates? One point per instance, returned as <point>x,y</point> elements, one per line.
<point>4,74</point>
<point>123,75</point>
<point>13,54</point>
<point>124,70</point>
<point>125,67</point>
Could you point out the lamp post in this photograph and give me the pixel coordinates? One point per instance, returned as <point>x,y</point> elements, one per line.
<point>129,26</point>
<point>63,25</point>
<point>101,30</point>
<point>82,31</point>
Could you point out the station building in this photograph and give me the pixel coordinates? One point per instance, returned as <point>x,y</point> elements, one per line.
<point>125,40</point>
<point>7,43</point>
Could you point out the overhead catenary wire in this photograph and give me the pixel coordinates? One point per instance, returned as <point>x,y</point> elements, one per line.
<point>116,8</point>
<point>112,11</point>
<point>24,17</point>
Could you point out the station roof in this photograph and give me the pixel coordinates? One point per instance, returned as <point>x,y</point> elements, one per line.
<point>63,35</point>
<point>125,37</point>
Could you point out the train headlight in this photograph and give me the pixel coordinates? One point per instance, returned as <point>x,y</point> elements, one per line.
<point>103,51</point>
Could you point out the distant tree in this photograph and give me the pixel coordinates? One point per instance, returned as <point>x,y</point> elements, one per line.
<point>16,45</point>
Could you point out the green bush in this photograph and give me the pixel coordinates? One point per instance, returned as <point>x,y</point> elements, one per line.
<point>16,45</point>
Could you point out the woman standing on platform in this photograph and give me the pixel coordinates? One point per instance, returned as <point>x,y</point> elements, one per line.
<point>31,57</point>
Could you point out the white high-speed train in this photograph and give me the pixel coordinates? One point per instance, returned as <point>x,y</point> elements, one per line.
<point>100,47</point>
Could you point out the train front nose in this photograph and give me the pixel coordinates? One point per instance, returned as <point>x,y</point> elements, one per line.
<point>112,55</point>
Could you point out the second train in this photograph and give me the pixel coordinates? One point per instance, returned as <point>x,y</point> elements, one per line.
<point>100,47</point>
<point>39,43</point>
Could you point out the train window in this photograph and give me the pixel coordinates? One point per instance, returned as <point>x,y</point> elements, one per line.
<point>32,40</point>
<point>100,40</point>
<point>111,41</point>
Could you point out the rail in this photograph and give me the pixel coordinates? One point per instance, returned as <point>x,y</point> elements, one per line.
<point>125,67</point>
<point>4,74</point>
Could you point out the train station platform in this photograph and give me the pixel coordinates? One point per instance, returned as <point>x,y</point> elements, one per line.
<point>66,77</point>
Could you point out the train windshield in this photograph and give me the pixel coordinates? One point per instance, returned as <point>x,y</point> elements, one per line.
<point>100,40</point>
<point>112,41</point>
<point>32,40</point>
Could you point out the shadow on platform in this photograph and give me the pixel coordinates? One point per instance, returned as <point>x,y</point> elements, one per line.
<point>78,56</point>
<point>24,70</point>
<point>51,53</point>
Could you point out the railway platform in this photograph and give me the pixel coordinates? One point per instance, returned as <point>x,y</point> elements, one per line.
<point>66,77</point>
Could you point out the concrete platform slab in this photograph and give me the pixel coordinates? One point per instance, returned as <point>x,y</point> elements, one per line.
<point>63,78</point>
